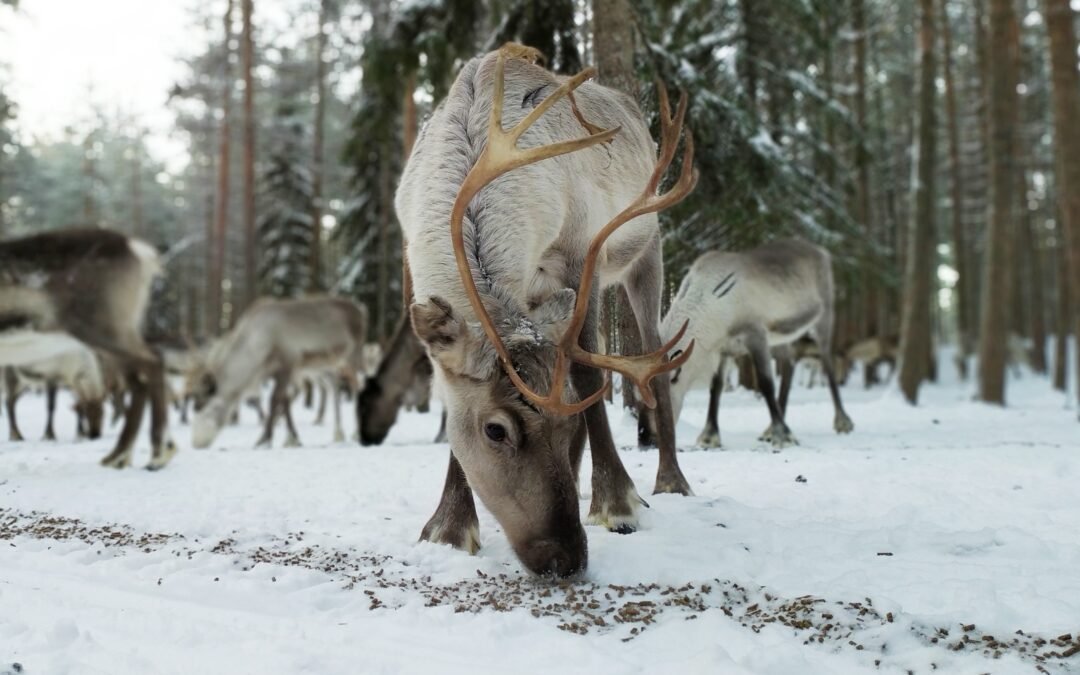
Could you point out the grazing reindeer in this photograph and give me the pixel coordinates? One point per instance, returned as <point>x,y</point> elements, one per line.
<point>78,370</point>
<point>495,306</point>
<point>280,340</point>
<point>872,353</point>
<point>62,290</point>
<point>749,303</point>
<point>403,370</point>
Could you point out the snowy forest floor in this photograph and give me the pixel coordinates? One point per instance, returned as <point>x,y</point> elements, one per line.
<point>943,538</point>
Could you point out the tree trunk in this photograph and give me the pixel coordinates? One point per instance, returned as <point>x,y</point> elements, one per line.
<point>319,160</point>
<point>221,211</point>
<point>998,265</point>
<point>915,329</point>
<point>959,243</point>
<point>247,55</point>
<point>863,213</point>
<point>1061,28</point>
<point>1061,347</point>
<point>137,225</point>
<point>614,47</point>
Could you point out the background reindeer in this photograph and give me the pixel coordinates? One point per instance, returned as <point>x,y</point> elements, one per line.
<point>62,290</point>
<point>279,340</point>
<point>403,375</point>
<point>749,303</point>
<point>78,370</point>
<point>509,261</point>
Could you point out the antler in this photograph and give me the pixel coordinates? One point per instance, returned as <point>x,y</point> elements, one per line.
<point>501,155</point>
<point>641,369</point>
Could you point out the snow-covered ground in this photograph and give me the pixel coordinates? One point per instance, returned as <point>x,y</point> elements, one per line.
<point>921,543</point>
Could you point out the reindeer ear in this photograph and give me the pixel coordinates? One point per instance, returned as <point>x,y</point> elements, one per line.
<point>456,346</point>
<point>553,315</point>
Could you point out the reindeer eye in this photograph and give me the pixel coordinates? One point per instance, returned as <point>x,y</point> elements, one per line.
<point>675,377</point>
<point>495,432</point>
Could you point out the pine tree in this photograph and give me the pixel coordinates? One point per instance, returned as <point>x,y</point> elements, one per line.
<point>286,207</point>
<point>998,267</point>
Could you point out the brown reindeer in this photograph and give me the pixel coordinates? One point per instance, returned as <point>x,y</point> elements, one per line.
<point>403,372</point>
<point>513,344</point>
<point>65,289</point>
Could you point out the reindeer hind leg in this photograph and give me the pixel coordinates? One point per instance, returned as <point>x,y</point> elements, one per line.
<point>643,287</point>
<point>822,334</point>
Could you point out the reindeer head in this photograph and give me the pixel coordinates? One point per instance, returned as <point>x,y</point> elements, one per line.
<point>515,454</point>
<point>512,442</point>
<point>93,414</point>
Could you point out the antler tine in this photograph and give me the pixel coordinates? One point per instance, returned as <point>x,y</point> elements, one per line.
<point>641,369</point>
<point>499,156</point>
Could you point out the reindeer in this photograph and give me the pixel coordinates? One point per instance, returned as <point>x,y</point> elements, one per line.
<point>402,378</point>
<point>279,339</point>
<point>495,301</point>
<point>78,370</point>
<point>749,303</point>
<point>62,290</point>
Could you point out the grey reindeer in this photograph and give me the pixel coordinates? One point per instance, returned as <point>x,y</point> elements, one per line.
<point>539,201</point>
<point>757,303</point>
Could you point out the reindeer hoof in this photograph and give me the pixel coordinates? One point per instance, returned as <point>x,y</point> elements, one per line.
<point>672,482</point>
<point>339,436</point>
<point>617,514</point>
<point>779,435</point>
<point>162,457</point>
<point>49,436</point>
<point>462,536</point>
<point>843,424</point>
<point>709,439</point>
<point>15,437</point>
<point>292,442</point>
<point>117,462</point>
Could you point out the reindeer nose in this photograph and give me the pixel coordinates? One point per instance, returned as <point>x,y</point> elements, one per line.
<point>559,557</point>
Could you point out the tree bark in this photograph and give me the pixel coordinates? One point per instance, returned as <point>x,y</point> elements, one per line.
<point>319,160</point>
<point>863,213</point>
<point>959,241</point>
<point>915,341</point>
<point>247,56</point>
<point>614,47</point>
<point>221,210</point>
<point>998,265</point>
<point>1061,346</point>
<point>1061,28</point>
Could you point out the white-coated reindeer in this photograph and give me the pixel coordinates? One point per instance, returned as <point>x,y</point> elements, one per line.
<point>78,370</point>
<point>512,199</point>
<point>65,289</point>
<point>280,340</point>
<point>752,303</point>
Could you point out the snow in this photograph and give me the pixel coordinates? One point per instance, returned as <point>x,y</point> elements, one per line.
<point>947,515</point>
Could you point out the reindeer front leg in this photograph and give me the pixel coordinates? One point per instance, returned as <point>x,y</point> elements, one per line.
<point>162,447</point>
<point>50,410</point>
<point>757,343</point>
<point>279,396</point>
<point>11,383</point>
<point>615,499</point>
<point>120,457</point>
<point>454,521</point>
<point>710,435</point>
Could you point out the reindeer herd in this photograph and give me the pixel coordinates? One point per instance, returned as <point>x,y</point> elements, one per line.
<point>526,196</point>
